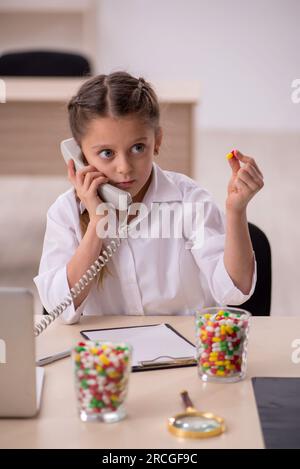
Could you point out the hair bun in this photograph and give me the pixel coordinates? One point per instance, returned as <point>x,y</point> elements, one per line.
<point>141,83</point>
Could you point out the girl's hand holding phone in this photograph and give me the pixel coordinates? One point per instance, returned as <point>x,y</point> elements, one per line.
<point>86,182</point>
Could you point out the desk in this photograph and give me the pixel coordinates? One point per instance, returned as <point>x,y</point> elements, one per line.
<point>153,395</point>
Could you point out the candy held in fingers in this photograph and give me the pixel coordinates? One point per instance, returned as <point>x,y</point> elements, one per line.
<point>230,155</point>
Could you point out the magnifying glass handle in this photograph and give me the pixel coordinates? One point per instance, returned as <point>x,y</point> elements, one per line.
<point>186,399</point>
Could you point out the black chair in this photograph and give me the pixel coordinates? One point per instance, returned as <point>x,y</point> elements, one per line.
<point>42,63</point>
<point>259,304</point>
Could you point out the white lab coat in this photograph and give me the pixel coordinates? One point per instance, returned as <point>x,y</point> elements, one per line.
<point>150,276</point>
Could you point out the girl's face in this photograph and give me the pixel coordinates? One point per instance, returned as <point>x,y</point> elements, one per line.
<point>123,150</point>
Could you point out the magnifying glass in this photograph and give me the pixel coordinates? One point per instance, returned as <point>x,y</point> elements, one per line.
<point>194,424</point>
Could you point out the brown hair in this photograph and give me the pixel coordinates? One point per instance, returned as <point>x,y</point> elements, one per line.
<point>115,95</point>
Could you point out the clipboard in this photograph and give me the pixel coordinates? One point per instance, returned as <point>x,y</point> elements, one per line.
<point>155,346</point>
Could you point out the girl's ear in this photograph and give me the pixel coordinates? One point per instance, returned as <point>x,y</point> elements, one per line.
<point>85,161</point>
<point>158,140</point>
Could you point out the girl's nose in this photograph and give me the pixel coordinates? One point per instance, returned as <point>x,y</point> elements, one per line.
<point>123,165</point>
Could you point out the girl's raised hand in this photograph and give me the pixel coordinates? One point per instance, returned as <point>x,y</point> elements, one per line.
<point>245,181</point>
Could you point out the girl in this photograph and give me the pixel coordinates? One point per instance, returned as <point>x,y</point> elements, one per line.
<point>115,121</point>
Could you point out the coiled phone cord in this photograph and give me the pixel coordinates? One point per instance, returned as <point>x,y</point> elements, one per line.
<point>89,275</point>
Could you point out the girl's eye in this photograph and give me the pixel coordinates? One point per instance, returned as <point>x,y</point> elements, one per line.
<point>140,147</point>
<point>105,156</point>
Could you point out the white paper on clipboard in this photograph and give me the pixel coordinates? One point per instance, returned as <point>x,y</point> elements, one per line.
<point>148,342</point>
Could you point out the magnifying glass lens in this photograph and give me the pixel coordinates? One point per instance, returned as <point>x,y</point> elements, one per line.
<point>195,423</point>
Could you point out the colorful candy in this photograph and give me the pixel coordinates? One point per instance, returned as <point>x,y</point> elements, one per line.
<point>231,154</point>
<point>221,341</point>
<point>101,375</point>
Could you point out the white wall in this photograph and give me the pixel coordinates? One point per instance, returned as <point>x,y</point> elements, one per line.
<point>245,56</point>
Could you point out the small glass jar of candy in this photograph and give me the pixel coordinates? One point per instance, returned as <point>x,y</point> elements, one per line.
<point>101,372</point>
<point>221,341</point>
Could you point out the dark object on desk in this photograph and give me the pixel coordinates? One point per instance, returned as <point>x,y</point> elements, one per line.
<point>278,402</point>
<point>44,63</point>
<point>260,302</point>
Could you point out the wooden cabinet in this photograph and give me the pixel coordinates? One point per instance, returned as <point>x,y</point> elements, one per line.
<point>33,121</point>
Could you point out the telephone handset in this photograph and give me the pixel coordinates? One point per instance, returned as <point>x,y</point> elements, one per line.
<point>107,193</point>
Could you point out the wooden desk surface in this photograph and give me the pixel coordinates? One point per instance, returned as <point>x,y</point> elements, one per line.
<point>153,395</point>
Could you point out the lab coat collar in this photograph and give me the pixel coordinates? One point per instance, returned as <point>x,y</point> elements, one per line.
<point>161,189</point>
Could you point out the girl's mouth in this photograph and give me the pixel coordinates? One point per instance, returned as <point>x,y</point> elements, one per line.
<point>125,183</point>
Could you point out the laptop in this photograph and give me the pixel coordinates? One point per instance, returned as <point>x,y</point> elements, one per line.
<point>20,380</point>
